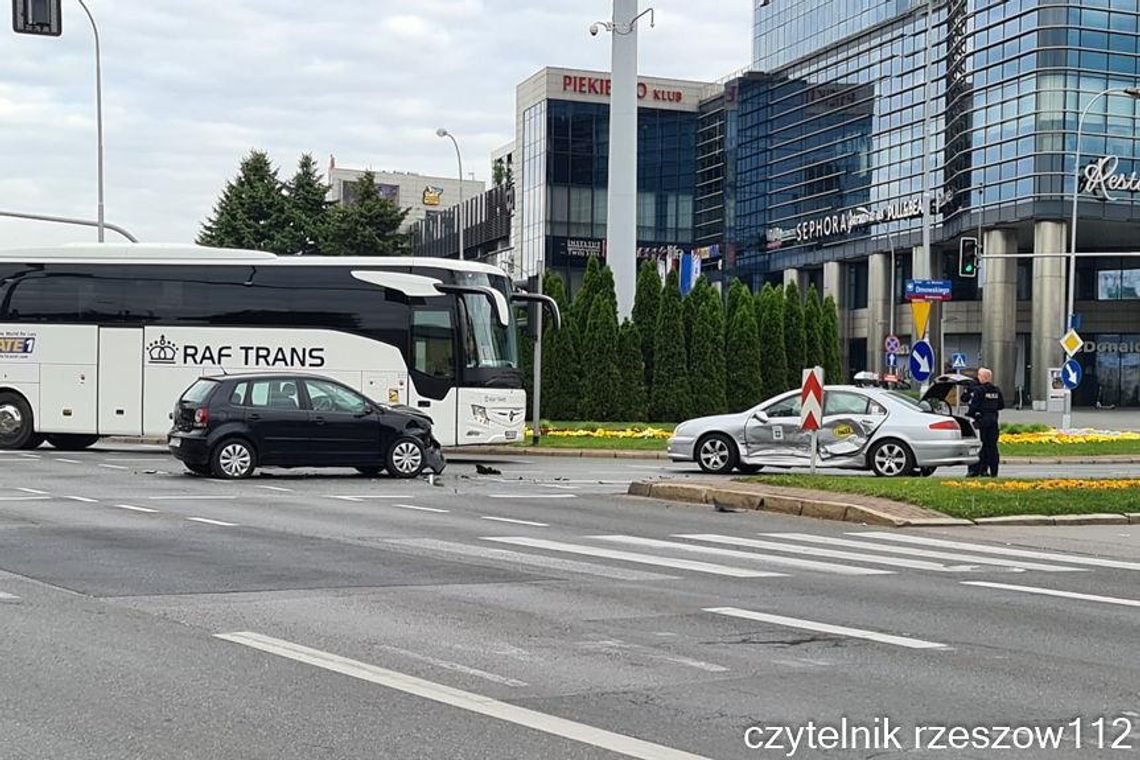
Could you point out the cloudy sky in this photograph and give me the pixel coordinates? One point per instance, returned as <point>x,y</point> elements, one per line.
<point>189,86</point>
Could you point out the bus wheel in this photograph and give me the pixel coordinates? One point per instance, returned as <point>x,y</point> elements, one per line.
<point>233,458</point>
<point>17,430</point>
<point>72,442</point>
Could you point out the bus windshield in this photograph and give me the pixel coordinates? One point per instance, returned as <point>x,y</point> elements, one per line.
<point>490,345</point>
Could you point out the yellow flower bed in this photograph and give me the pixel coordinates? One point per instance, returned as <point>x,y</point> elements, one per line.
<point>1056,436</point>
<point>628,433</point>
<point>1054,484</point>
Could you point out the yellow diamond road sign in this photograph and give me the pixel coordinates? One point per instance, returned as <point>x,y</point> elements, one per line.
<point>1072,342</point>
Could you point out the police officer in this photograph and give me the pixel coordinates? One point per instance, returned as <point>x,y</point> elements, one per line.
<point>985,404</point>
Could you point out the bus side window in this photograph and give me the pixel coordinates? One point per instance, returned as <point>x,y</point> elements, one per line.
<point>433,347</point>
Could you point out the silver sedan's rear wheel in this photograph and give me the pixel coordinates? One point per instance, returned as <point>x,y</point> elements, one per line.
<point>716,454</point>
<point>892,459</point>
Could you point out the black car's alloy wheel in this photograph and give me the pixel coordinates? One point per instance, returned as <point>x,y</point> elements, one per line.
<point>232,459</point>
<point>406,458</point>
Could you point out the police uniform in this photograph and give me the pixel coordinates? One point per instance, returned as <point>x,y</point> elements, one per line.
<point>985,403</point>
<point>966,398</point>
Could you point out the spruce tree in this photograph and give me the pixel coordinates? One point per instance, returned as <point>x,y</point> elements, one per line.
<point>832,351</point>
<point>794,337</point>
<point>707,357</point>
<point>738,296</point>
<point>743,377</point>
<point>600,355</point>
<point>631,402</point>
<point>813,329</point>
<point>526,361</point>
<point>251,212</point>
<point>773,357</point>
<point>669,398</point>
<point>561,370</point>
<point>584,298</point>
<point>306,210</point>
<point>369,226</point>
<point>645,303</point>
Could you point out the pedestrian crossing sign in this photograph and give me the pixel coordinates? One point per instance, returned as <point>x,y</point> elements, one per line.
<point>959,361</point>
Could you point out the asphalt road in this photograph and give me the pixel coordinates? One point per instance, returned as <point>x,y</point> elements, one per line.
<point>535,613</point>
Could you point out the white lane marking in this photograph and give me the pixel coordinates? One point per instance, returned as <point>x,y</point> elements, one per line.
<point>464,700</point>
<point>69,461</point>
<point>6,597</point>
<point>114,467</point>
<point>422,509</point>
<point>653,654</point>
<point>914,552</point>
<point>804,564</point>
<point>514,522</point>
<point>28,456</point>
<point>361,496</point>
<point>645,559</point>
<point>533,560</point>
<point>839,630</point>
<point>1003,550</point>
<point>453,666</point>
<point>33,490</point>
<point>812,551</point>
<point>24,498</point>
<point>533,495</point>
<point>212,522</point>
<point>190,498</point>
<point>277,488</point>
<point>83,499</point>
<point>1055,592</point>
<point>133,508</point>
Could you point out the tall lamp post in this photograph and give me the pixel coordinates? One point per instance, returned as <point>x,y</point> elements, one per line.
<point>1132,92</point>
<point>441,132</point>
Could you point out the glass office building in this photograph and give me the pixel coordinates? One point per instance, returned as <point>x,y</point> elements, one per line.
<point>562,142</point>
<point>822,180</point>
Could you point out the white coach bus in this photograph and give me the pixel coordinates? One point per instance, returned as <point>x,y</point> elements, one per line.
<point>99,340</point>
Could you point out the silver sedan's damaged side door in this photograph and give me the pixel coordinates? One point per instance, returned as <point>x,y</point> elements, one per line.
<point>849,423</point>
<point>772,435</point>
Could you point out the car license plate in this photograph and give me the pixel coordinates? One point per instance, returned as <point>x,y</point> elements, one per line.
<point>511,435</point>
<point>175,443</point>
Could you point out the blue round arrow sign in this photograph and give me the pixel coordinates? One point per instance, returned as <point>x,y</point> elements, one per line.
<point>1072,373</point>
<point>922,361</point>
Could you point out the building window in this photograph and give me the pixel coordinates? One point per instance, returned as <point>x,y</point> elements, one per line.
<point>857,285</point>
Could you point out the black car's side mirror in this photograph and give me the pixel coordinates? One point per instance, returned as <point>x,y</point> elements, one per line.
<point>368,410</point>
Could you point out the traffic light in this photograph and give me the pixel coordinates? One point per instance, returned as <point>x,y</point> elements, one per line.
<point>41,17</point>
<point>968,254</point>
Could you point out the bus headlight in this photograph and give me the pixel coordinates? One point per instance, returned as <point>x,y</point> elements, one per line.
<point>480,414</point>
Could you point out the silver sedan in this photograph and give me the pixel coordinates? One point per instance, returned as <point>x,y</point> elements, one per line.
<point>887,432</point>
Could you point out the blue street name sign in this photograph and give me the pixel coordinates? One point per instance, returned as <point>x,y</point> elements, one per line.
<point>1072,373</point>
<point>922,361</point>
<point>929,290</point>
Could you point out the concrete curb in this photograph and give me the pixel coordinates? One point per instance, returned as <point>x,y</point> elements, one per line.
<point>819,508</point>
<point>541,452</point>
<point>830,509</point>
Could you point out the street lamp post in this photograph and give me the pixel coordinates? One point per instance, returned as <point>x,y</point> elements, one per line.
<point>441,132</point>
<point>1132,92</point>
<point>98,112</point>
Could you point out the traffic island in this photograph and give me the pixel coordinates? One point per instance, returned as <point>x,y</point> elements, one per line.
<point>914,502</point>
<point>802,502</point>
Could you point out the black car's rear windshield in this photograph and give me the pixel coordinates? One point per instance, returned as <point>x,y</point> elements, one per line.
<point>198,392</point>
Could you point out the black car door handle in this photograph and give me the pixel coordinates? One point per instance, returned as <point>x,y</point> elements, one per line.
<point>319,420</point>
<point>254,417</point>
<point>423,403</point>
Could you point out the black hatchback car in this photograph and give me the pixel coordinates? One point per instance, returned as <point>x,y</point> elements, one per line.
<point>227,426</point>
